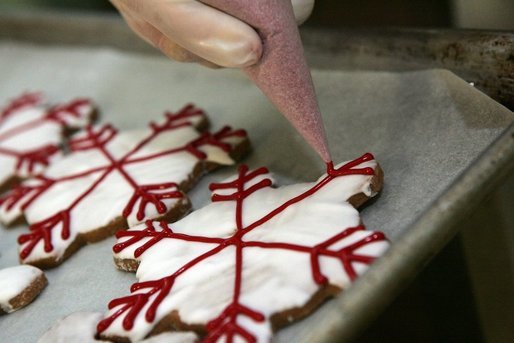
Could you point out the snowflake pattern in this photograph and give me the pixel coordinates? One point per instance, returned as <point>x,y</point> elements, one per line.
<point>112,179</point>
<point>257,254</point>
<point>31,133</point>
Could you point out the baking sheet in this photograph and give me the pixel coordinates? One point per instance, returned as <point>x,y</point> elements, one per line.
<point>425,128</point>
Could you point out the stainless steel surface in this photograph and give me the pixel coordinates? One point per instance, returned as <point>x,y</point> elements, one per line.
<point>443,146</point>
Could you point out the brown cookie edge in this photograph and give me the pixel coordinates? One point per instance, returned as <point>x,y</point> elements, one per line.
<point>376,184</point>
<point>28,294</point>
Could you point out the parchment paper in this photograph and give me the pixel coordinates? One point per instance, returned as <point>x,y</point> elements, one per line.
<point>423,127</point>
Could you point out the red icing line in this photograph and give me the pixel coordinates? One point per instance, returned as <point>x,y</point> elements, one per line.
<point>60,112</point>
<point>205,138</point>
<point>93,139</point>
<point>166,232</point>
<point>144,194</point>
<point>226,323</point>
<point>57,114</point>
<point>134,303</point>
<point>98,140</point>
<point>43,231</point>
<point>21,128</point>
<point>175,120</point>
<point>32,158</point>
<point>26,99</point>
<point>21,191</point>
<point>346,255</point>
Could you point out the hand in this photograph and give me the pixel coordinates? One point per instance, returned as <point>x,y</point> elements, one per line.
<point>190,31</point>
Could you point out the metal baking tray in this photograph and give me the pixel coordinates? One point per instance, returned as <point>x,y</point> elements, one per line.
<point>443,144</point>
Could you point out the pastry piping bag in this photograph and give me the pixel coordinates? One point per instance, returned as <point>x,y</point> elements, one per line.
<point>282,72</point>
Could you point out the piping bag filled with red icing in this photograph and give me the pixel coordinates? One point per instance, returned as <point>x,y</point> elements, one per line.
<point>282,72</point>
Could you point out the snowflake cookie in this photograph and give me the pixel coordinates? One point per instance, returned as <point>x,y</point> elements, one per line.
<point>31,133</point>
<point>80,327</point>
<point>253,260</point>
<point>19,286</point>
<point>112,180</point>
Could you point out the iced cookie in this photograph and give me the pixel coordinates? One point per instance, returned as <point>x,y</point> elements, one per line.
<point>80,327</point>
<point>253,260</point>
<point>112,179</point>
<point>31,134</point>
<point>19,286</point>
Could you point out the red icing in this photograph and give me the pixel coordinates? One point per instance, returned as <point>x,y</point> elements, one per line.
<point>144,194</point>
<point>98,139</point>
<point>21,191</point>
<point>43,231</point>
<point>179,119</point>
<point>226,323</point>
<point>26,99</point>
<point>41,155</point>
<point>60,113</point>
<point>32,158</point>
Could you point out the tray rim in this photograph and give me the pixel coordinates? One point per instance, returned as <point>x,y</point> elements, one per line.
<point>428,234</point>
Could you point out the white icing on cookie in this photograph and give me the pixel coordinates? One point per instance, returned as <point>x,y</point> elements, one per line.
<point>172,337</point>
<point>287,240</point>
<point>31,132</point>
<point>132,174</point>
<point>77,327</point>
<point>13,281</point>
<point>80,327</point>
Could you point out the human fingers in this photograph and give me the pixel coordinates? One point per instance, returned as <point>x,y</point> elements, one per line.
<point>155,38</point>
<point>199,29</point>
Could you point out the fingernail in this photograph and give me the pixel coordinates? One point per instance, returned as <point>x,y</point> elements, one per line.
<point>239,55</point>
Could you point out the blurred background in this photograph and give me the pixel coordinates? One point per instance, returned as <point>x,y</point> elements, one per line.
<point>476,14</point>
